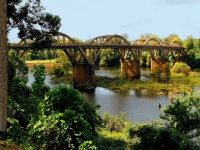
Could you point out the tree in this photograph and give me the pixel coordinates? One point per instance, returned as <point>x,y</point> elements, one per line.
<point>31,21</point>
<point>125,36</point>
<point>109,57</point>
<point>157,138</point>
<point>184,114</point>
<point>33,24</point>
<point>173,37</point>
<point>3,65</point>
<point>189,43</point>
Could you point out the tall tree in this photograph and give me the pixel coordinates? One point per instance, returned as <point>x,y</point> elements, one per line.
<point>33,24</point>
<point>3,65</point>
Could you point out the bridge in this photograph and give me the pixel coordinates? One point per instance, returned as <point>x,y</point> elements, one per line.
<point>83,56</point>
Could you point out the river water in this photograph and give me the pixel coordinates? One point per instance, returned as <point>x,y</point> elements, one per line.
<point>138,105</point>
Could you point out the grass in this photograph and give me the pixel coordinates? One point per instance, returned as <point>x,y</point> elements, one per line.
<point>176,83</point>
<point>47,63</point>
<point>40,61</point>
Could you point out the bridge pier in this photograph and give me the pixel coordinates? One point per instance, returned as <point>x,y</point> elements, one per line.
<point>180,59</point>
<point>131,68</point>
<point>83,72</point>
<point>158,62</point>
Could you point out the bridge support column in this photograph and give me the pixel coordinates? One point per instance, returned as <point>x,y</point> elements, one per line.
<point>91,69</point>
<point>158,62</point>
<point>83,72</point>
<point>180,59</point>
<point>131,68</point>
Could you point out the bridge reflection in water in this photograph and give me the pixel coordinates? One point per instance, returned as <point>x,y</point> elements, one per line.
<point>83,56</point>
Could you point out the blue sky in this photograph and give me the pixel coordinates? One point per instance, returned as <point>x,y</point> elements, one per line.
<point>84,19</point>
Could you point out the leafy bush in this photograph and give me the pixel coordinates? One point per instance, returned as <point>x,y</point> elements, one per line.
<point>67,66</point>
<point>151,138</point>
<point>87,145</point>
<point>23,101</point>
<point>65,120</point>
<point>181,67</point>
<point>184,114</point>
<point>114,123</point>
<point>109,57</point>
<point>57,71</point>
<point>145,58</point>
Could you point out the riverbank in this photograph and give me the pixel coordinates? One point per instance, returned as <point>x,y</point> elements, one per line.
<point>175,84</point>
<point>47,63</point>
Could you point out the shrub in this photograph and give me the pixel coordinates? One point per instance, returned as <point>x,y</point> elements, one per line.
<point>193,74</point>
<point>87,145</point>
<point>57,71</point>
<point>65,120</point>
<point>184,114</point>
<point>114,123</point>
<point>181,67</point>
<point>151,138</point>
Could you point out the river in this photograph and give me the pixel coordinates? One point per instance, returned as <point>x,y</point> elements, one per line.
<point>138,105</point>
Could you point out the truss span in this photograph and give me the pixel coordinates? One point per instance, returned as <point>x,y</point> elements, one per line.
<point>90,51</point>
<point>62,38</point>
<point>117,40</point>
<point>99,39</point>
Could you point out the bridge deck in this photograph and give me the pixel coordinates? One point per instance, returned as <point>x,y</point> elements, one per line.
<point>95,46</point>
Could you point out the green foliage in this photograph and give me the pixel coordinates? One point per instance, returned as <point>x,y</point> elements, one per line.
<point>57,71</point>
<point>156,74</point>
<point>65,120</point>
<point>182,68</point>
<point>109,57</point>
<point>21,68</point>
<point>111,143</point>
<point>16,132</point>
<point>151,138</point>
<point>166,71</point>
<point>173,37</point>
<point>145,59</point>
<point>116,72</point>
<point>22,100</point>
<point>114,123</point>
<point>184,114</point>
<point>87,145</point>
<point>192,57</point>
<point>35,23</point>
<point>161,73</point>
<point>38,86</point>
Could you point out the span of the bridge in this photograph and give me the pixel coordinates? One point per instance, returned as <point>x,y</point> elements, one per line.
<point>83,55</point>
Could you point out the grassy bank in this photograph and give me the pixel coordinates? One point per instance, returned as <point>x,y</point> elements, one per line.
<point>47,63</point>
<point>175,84</point>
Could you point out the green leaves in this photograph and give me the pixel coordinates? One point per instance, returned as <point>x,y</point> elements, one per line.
<point>183,114</point>
<point>65,119</point>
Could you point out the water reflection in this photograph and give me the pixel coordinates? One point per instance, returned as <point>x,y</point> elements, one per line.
<point>138,108</point>
<point>139,105</point>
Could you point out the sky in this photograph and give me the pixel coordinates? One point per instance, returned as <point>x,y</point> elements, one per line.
<point>87,19</point>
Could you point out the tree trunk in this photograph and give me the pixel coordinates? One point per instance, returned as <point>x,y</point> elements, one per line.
<point>3,65</point>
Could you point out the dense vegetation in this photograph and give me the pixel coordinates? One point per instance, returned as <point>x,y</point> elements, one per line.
<point>59,118</point>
